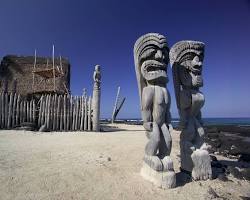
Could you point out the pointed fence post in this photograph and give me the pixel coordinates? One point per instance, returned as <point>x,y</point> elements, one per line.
<point>34,111</point>
<point>82,113</point>
<point>17,122</point>
<point>2,110</point>
<point>64,112</point>
<point>58,113</point>
<point>6,110</point>
<point>89,114</point>
<point>61,113</point>
<point>10,110</point>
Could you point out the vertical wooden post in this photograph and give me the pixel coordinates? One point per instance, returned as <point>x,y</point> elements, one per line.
<point>68,110</point>
<point>74,114</point>
<point>71,113</point>
<point>24,108</point>
<point>24,111</point>
<point>10,110</point>
<point>51,112</point>
<point>31,111</point>
<point>58,114</point>
<point>46,112</point>
<point>61,113</point>
<point>77,113</point>
<point>34,111</point>
<point>27,111</point>
<point>3,109</point>
<point>18,111</point>
<point>82,113</point>
<point>39,106</point>
<point>89,113</point>
<point>0,110</point>
<point>14,110</point>
<point>54,112</point>
<point>85,114</point>
<point>6,110</point>
<point>64,112</point>
<point>40,103</point>
<point>43,122</point>
<point>21,111</point>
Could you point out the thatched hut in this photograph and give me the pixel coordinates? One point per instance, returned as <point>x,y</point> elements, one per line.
<point>25,76</point>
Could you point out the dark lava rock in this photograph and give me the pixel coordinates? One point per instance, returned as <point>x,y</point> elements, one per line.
<point>235,172</point>
<point>212,193</point>
<point>246,173</point>
<point>244,157</point>
<point>229,140</point>
<point>216,164</point>
<point>216,172</point>
<point>245,198</point>
<point>213,158</point>
<point>27,126</point>
<point>222,177</point>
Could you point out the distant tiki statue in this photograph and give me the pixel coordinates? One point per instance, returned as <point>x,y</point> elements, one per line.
<point>186,58</point>
<point>151,56</point>
<point>96,98</point>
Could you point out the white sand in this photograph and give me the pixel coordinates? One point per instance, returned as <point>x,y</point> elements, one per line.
<point>76,166</point>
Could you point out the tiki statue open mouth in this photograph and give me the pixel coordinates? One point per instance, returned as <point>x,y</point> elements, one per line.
<point>154,70</point>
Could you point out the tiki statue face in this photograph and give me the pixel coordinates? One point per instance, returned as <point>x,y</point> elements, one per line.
<point>192,62</point>
<point>151,57</point>
<point>188,57</point>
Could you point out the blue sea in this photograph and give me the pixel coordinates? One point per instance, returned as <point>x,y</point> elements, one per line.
<point>207,121</point>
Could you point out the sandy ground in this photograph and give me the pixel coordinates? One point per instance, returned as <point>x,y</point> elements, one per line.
<point>91,166</point>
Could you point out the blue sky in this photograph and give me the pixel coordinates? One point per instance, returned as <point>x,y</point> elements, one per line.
<point>104,32</point>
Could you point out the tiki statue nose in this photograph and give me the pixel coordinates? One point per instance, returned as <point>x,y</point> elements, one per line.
<point>158,55</point>
<point>196,61</point>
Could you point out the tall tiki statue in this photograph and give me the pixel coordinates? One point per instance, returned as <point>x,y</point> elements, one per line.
<point>151,59</point>
<point>186,58</point>
<point>96,98</point>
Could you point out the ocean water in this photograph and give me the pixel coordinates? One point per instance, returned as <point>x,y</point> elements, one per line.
<point>227,121</point>
<point>207,121</point>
